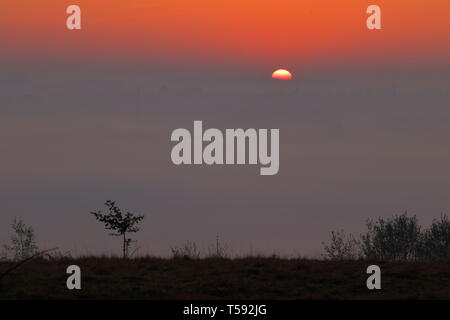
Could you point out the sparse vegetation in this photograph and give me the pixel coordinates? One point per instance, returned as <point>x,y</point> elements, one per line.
<point>219,250</point>
<point>190,250</point>
<point>405,251</point>
<point>187,251</point>
<point>120,223</point>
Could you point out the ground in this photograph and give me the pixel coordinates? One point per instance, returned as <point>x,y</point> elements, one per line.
<point>246,278</point>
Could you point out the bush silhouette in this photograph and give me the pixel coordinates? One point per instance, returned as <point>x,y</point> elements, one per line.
<point>395,238</point>
<point>436,240</point>
<point>398,238</point>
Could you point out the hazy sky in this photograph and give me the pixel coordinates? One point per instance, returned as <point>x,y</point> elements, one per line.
<point>86,116</point>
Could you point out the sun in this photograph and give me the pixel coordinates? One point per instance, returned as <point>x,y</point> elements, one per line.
<point>282,74</point>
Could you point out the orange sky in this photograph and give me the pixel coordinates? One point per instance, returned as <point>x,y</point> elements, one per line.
<point>257,31</point>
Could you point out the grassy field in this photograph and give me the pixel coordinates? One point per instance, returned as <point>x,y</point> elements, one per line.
<point>246,278</point>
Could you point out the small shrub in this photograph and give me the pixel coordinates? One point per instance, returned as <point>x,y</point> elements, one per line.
<point>23,243</point>
<point>342,247</point>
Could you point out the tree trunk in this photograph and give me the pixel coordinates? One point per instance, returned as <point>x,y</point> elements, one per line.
<point>124,245</point>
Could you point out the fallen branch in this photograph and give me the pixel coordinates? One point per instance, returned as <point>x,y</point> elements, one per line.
<point>18,264</point>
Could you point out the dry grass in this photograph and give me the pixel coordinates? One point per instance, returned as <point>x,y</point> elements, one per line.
<point>245,278</point>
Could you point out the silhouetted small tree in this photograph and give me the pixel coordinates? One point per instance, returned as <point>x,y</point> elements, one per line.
<point>121,223</point>
<point>23,243</point>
